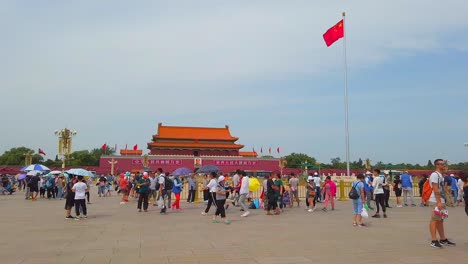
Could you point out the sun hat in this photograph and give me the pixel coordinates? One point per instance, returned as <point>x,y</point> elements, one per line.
<point>221,178</point>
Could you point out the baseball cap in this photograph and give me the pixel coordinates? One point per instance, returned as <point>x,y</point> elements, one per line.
<point>221,178</point>
<point>386,172</point>
<point>315,173</point>
<point>368,172</point>
<point>451,175</point>
<point>310,178</point>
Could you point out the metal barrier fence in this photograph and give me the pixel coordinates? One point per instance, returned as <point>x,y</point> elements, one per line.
<point>301,191</point>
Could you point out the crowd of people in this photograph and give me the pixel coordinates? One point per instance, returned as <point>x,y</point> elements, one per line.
<point>220,191</point>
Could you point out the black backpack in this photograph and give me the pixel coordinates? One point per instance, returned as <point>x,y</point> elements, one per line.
<point>168,184</point>
<point>353,193</point>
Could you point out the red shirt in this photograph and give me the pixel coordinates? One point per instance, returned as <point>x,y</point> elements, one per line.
<point>123,183</point>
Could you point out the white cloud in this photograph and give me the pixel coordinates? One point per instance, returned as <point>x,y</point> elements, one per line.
<point>113,62</point>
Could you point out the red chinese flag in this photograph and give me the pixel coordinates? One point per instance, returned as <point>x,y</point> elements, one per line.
<point>115,148</point>
<point>41,152</point>
<point>135,147</point>
<point>125,146</point>
<point>104,147</point>
<point>278,150</point>
<point>261,150</point>
<point>269,150</point>
<point>334,33</point>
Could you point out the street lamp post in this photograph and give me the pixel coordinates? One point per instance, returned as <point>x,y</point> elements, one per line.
<point>65,143</point>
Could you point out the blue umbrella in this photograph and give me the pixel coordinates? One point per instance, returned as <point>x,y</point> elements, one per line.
<point>181,172</point>
<point>208,169</point>
<point>21,177</point>
<point>36,167</point>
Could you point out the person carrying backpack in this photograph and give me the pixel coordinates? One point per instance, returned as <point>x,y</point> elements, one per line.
<point>436,181</point>
<point>358,203</point>
<point>50,187</point>
<point>421,187</point>
<point>162,190</point>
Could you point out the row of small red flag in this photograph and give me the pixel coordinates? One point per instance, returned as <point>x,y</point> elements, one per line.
<point>104,147</point>
<point>269,150</point>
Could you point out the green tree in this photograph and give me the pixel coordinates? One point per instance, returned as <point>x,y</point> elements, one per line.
<point>359,164</point>
<point>15,156</point>
<point>429,164</point>
<point>295,160</point>
<point>335,162</point>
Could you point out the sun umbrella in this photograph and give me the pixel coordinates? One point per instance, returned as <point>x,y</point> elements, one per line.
<point>181,172</point>
<point>54,172</point>
<point>208,169</point>
<point>33,173</point>
<point>80,172</point>
<point>21,177</point>
<point>36,167</point>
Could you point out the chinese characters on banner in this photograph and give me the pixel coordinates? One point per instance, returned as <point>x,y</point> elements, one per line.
<point>158,162</point>
<point>234,162</point>
<point>215,162</point>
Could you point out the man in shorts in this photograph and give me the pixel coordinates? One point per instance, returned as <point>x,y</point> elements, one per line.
<point>437,220</point>
<point>34,186</point>
<point>294,185</point>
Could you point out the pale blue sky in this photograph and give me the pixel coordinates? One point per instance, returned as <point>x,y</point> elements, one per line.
<point>113,71</point>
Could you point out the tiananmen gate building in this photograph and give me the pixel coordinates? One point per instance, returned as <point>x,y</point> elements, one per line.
<point>173,147</point>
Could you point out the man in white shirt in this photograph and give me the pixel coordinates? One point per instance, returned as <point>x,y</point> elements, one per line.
<point>152,187</point>
<point>80,188</point>
<point>162,191</point>
<point>437,222</point>
<point>235,183</point>
<point>243,192</point>
<point>378,184</point>
<point>460,184</point>
<point>317,181</point>
<point>211,187</point>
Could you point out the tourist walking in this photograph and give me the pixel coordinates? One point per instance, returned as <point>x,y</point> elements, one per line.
<point>192,188</point>
<point>236,185</point>
<point>162,190</point>
<point>220,201</point>
<point>311,193</point>
<point>437,219</point>
<point>34,186</point>
<point>272,202</point>
<point>448,190</point>
<point>358,204</point>
<point>397,189</point>
<point>152,187</point>
<point>143,184</point>
<point>243,192</point>
<point>329,188</point>
<point>264,195</point>
<point>421,183</point>
<point>102,186</point>
<point>50,187</point>
<point>407,186</point>
<point>80,188</point>
<point>454,188</point>
<point>461,191</point>
<point>206,191</point>
<point>318,184</point>
<point>279,192</point>
<point>378,183</point>
<point>369,189</point>
<point>124,188</point>
<point>465,192</point>
<point>69,197</point>
<point>294,189</point>
<point>386,188</point>
<point>211,187</point>
<point>176,190</point>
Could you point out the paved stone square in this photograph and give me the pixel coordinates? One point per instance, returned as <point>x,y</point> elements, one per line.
<point>36,232</point>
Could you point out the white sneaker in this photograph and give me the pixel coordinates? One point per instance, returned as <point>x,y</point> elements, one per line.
<point>247,213</point>
<point>204,214</point>
<point>310,210</point>
<point>122,202</point>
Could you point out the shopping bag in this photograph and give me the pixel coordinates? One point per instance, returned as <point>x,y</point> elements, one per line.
<point>161,202</point>
<point>364,213</point>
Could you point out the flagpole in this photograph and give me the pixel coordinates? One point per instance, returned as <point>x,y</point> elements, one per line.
<point>346,96</point>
